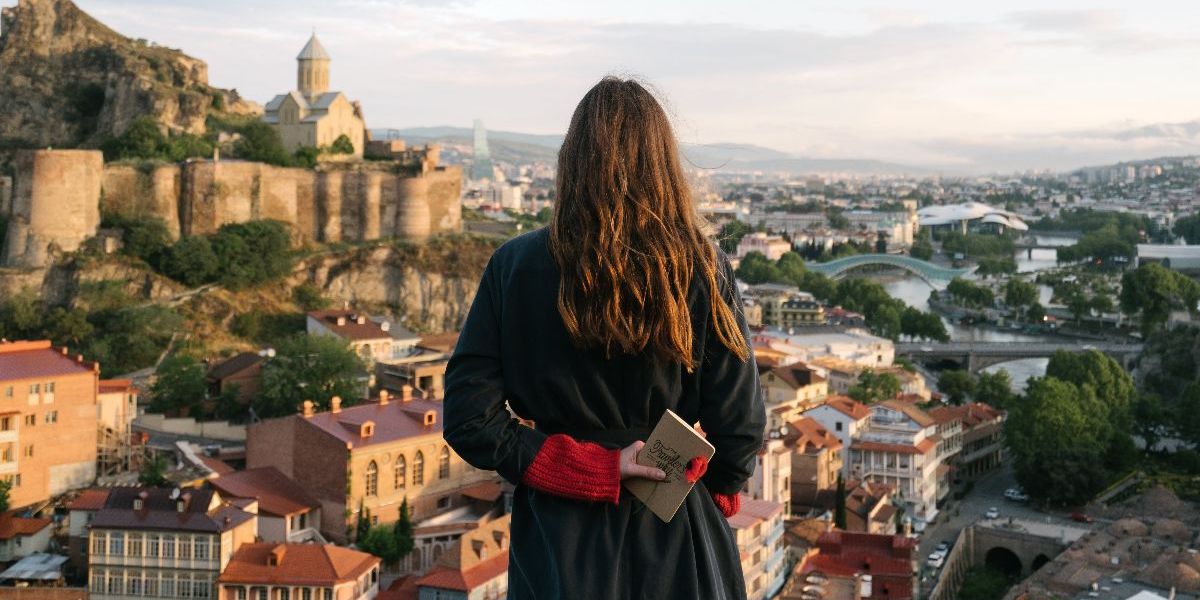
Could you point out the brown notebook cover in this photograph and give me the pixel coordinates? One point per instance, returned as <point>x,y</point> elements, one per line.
<point>670,446</point>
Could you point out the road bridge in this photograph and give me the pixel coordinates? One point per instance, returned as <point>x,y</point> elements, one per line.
<point>927,271</point>
<point>1015,546</point>
<point>975,356</point>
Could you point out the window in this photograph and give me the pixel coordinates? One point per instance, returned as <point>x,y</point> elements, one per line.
<point>185,547</point>
<point>241,593</point>
<point>29,451</point>
<point>419,469</point>
<point>443,502</point>
<point>168,544</point>
<point>284,594</point>
<point>152,545</point>
<point>116,544</point>
<point>444,463</point>
<point>200,589</point>
<point>201,551</point>
<point>135,545</point>
<point>52,416</point>
<point>262,593</point>
<point>328,594</point>
<point>401,466</point>
<point>306,594</point>
<point>838,426</point>
<point>34,389</point>
<point>372,479</point>
<point>8,392</point>
<point>30,420</point>
<point>5,423</point>
<point>98,543</point>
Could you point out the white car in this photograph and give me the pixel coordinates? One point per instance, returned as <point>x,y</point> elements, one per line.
<point>936,560</point>
<point>992,513</point>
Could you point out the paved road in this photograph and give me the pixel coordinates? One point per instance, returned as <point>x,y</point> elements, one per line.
<point>988,492</point>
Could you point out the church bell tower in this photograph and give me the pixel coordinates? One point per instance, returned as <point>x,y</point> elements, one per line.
<point>312,77</point>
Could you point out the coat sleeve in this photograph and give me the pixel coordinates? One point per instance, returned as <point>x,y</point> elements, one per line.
<point>731,403</point>
<point>478,424</point>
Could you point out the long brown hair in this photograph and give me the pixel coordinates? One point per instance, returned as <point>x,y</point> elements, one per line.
<point>625,234</point>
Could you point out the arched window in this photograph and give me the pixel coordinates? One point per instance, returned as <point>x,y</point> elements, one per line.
<point>444,463</point>
<point>372,479</point>
<point>419,469</point>
<point>400,473</point>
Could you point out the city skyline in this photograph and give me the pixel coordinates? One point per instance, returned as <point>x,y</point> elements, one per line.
<point>960,89</point>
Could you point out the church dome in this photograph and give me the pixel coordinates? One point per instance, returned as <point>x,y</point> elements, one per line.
<point>313,50</point>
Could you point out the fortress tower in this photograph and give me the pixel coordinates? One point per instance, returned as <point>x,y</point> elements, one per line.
<point>312,77</point>
<point>55,205</point>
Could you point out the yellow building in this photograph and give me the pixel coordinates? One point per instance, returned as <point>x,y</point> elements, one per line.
<point>312,116</point>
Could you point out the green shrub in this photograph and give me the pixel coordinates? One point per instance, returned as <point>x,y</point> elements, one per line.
<point>191,261</point>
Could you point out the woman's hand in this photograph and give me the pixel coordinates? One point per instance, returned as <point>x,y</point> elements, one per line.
<point>630,467</point>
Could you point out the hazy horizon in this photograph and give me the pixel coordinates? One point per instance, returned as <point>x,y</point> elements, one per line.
<point>962,88</point>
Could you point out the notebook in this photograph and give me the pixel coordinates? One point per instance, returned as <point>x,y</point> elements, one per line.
<point>670,447</point>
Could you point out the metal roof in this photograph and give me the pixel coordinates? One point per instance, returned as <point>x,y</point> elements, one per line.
<point>313,50</point>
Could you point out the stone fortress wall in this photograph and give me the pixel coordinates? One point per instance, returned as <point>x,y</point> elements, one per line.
<point>58,196</point>
<point>54,205</point>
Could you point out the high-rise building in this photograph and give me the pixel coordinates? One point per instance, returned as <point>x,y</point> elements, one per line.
<point>481,167</point>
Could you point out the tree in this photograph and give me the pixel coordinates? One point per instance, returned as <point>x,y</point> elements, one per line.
<point>839,504</point>
<point>153,472</point>
<point>1019,293</point>
<point>309,367</point>
<point>956,385</point>
<point>1113,387</point>
<point>403,532</point>
<point>309,297</point>
<point>874,387</point>
<point>731,235</point>
<point>142,237</point>
<point>1189,229</point>
<point>1101,303</point>
<point>1036,313</point>
<point>918,324</point>
<point>342,145</point>
<point>994,389</point>
<point>1058,450</point>
<point>363,525</point>
<point>141,140</point>
<point>261,142</point>
<point>252,253</point>
<point>5,492</point>
<point>178,385</point>
<point>191,261</point>
<point>984,582</point>
<point>922,248</point>
<point>1150,292</point>
<point>756,268</point>
<point>378,540</point>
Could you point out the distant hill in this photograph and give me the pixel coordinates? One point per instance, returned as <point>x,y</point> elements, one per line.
<point>724,156</point>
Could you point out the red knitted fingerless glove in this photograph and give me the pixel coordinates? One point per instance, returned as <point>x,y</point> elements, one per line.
<point>695,469</point>
<point>577,470</point>
<point>729,504</point>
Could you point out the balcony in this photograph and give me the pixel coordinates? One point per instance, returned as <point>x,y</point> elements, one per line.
<point>8,467</point>
<point>8,435</point>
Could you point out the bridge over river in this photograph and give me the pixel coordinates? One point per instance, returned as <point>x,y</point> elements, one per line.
<point>929,272</point>
<point>978,355</point>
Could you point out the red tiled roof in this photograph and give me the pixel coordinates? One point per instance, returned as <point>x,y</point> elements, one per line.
<point>797,375</point>
<point>276,493</point>
<point>115,386</point>
<point>807,433</point>
<point>93,499</point>
<point>217,465</point>
<point>885,557</point>
<point>393,421</point>
<point>448,578</point>
<point>25,360</point>
<point>849,407</point>
<point>760,508</point>
<point>352,330</point>
<point>12,526</point>
<point>234,365</point>
<point>403,588</point>
<point>442,342</point>
<point>298,564</point>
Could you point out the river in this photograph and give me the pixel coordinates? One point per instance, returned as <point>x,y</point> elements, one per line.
<point>915,292</point>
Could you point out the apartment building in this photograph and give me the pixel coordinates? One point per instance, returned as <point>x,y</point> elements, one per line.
<point>949,430</point>
<point>272,571</point>
<point>474,568</point>
<point>772,477</point>
<point>843,374</point>
<point>48,420</point>
<point>369,457</point>
<point>982,440</point>
<point>286,512</point>
<point>758,529</point>
<point>770,246</point>
<point>165,543</point>
<point>785,306</point>
<point>375,339</point>
<point>790,390</point>
<point>817,458</point>
<point>843,417</point>
<point>899,447</point>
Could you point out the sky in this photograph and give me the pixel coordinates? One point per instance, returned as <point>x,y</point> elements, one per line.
<point>954,85</point>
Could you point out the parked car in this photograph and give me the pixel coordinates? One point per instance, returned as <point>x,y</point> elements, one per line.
<point>936,560</point>
<point>918,525</point>
<point>992,513</point>
<point>1082,518</point>
<point>942,547</point>
<point>1016,495</point>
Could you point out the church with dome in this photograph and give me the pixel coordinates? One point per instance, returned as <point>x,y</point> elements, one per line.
<point>312,115</point>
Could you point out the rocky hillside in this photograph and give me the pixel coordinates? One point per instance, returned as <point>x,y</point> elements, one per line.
<point>68,80</point>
